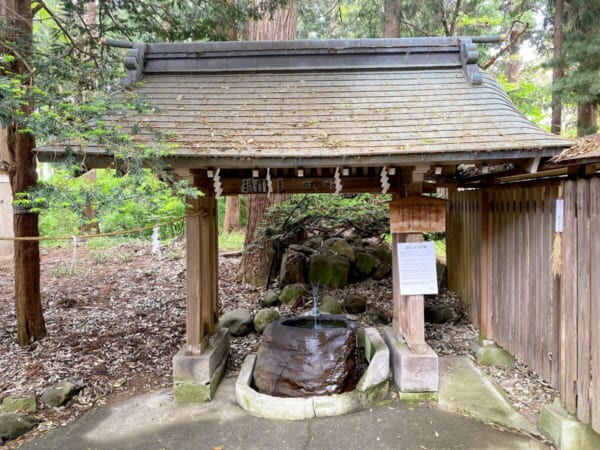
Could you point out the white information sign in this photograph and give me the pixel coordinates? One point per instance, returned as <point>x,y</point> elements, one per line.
<point>416,268</point>
<point>560,208</point>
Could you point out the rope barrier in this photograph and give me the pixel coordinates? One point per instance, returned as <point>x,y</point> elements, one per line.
<point>90,236</point>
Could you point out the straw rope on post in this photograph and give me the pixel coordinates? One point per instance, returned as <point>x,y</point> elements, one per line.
<point>556,257</point>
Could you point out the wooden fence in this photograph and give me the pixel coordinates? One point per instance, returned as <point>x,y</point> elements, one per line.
<point>499,243</point>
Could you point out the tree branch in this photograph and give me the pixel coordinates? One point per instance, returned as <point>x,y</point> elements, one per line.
<point>514,37</point>
<point>60,25</point>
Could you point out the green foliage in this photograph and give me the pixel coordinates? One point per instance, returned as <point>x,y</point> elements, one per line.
<point>121,203</point>
<point>530,98</point>
<point>328,215</point>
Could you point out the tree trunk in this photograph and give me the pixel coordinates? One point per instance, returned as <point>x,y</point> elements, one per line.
<point>231,221</point>
<point>22,173</point>
<point>392,15</point>
<point>280,27</point>
<point>255,265</point>
<point>587,118</point>
<point>514,60</point>
<point>557,71</point>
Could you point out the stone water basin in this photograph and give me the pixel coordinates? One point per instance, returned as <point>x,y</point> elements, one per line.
<point>371,388</point>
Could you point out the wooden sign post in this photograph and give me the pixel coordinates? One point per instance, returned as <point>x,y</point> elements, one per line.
<point>409,217</point>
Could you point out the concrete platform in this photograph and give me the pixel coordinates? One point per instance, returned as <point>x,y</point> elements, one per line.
<point>465,389</point>
<point>155,421</point>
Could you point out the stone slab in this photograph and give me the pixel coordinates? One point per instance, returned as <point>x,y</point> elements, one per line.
<point>196,377</point>
<point>413,372</point>
<point>488,353</point>
<point>378,356</point>
<point>466,389</point>
<point>565,431</point>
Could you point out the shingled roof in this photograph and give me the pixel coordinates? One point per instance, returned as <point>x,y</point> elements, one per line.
<point>326,103</point>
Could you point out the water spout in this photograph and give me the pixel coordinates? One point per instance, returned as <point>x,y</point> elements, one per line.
<point>315,308</point>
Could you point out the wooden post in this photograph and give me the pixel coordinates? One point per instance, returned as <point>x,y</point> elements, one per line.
<point>202,271</point>
<point>409,310</point>
<point>485,309</point>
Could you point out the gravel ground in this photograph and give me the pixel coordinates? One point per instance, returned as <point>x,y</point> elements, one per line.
<point>116,318</point>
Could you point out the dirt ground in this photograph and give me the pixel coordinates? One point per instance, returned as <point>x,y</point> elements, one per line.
<point>115,317</point>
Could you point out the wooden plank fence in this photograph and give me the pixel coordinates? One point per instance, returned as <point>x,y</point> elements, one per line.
<point>499,245</point>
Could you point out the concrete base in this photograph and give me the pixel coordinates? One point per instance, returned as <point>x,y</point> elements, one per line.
<point>413,372</point>
<point>566,431</point>
<point>372,388</point>
<point>196,377</point>
<point>490,354</point>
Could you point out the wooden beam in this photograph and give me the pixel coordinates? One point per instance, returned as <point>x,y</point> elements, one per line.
<point>202,272</point>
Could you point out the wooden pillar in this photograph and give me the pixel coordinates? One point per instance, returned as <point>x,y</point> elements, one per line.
<point>485,295</point>
<point>409,310</point>
<point>202,272</point>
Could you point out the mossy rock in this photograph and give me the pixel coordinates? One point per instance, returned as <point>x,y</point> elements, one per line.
<point>330,305</point>
<point>365,263</point>
<point>18,404</point>
<point>263,318</point>
<point>382,252</point>
<point>270,298</point>
<point>342,248</point>
<point>329,270</point>
<point>292,292</point>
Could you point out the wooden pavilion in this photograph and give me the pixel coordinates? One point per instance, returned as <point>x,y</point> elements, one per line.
<point>402,116</point>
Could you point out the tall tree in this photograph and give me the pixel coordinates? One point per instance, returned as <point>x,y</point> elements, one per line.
<point>255,265</point>
<point>392,12</point>
<point>557,70</point>
<point>580,60</point>
<point>16,46</point>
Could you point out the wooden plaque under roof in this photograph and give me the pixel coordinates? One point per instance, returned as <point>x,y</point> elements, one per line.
<point>418,215</point>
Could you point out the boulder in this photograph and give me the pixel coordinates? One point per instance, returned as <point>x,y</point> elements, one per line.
<point>263,318</point>
<point>314,242</point>
<point>365,263</point>
<point>18,404</point>
<point>293,268</point>
<point>382,252</point>
<point>329,270</point>
<point>381,271</point>
<point>342,248</point>
<point>61,393</point>
<point>330,305</point>
<point>270,298</point>
<point>14,425</point>
<point>296,359</point>
<point>301,248</point>
<point>355,304</point>
<point>239,322</point>
<point>379,317</point>
<point>292,292</point>
<point>438,313</point>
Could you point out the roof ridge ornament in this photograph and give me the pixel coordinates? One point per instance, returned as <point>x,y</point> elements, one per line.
<point>134,63</point>
<point>468,60</point>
